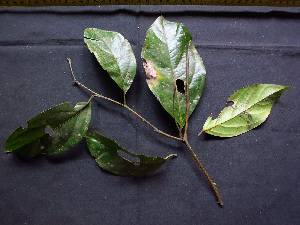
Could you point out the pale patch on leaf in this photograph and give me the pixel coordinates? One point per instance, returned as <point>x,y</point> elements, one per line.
<point>151,72</point>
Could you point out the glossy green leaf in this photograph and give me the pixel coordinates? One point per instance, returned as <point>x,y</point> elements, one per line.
<point>67,126</point>
<point>107,154</point>
<point>252,106</point>
<point>114,53</point>
<point>165,62</point>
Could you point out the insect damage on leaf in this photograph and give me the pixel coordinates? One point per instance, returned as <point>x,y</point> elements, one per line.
<point>112,157</point>
<point>151,73</point>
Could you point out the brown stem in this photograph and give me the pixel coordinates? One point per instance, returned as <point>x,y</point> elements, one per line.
<point>213,185</point>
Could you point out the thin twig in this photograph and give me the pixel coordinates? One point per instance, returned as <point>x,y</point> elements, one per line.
<point>70,64</point>
<point>95,94</point>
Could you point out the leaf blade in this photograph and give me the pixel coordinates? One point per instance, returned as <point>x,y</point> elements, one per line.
<point>105,152</point>
<point>252,106</point>
<point>114,54</point>
<point>62,118</point>
<point>164,52</point>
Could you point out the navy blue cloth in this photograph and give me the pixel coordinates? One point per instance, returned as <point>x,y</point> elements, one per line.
<point>257,173</point>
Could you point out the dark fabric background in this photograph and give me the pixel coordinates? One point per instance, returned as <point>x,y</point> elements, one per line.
<point>257,173</point>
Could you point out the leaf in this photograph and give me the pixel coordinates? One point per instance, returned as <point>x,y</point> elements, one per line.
<point>164,53</point>
<point>106,151</point>
<point>114,53</point>
<point>67,126</point>
<point>252,106</point>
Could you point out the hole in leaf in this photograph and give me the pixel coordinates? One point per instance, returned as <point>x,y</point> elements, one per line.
<point>180,86</point>
<point>230,103</point>
<point>51,132</point>
<point>135,160</point>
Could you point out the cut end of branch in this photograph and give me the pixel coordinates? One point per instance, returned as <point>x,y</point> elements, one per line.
<point>70,64</point>
<point>220,203</point>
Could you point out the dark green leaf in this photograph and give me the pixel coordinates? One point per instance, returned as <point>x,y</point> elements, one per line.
<point>67,126</point>
<point>165,53</point>
<point>114,53</point>
<point>106,151</point>
<point>252,106</point>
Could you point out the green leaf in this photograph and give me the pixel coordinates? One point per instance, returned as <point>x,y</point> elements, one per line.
<point>67,126</point>
<point>114,53</point>
<point>252,106</point>
<point>165,53</point>
<point>107,154</point>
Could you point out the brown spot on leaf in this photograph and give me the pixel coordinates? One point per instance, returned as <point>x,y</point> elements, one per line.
<point>151,73</point>
<point>249,116</point>
<point>249,126</point>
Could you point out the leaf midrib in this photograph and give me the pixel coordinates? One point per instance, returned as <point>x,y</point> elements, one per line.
<point>172,71</point>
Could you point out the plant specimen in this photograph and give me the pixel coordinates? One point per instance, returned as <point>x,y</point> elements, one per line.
<point>175,74</point>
